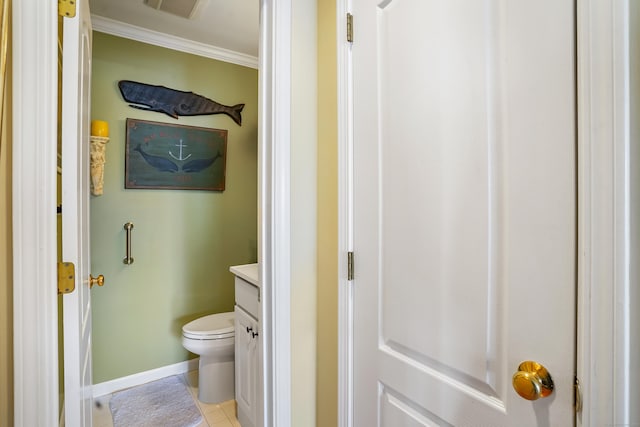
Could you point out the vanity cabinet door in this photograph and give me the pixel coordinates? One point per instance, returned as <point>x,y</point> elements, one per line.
<point>246,368</point>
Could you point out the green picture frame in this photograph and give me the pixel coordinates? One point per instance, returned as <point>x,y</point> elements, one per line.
<point>175,157</point>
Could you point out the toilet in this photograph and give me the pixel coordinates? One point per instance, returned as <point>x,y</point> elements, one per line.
<point>212,338</point>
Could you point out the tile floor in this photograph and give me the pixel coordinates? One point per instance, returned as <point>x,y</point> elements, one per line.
<point>213,415</point>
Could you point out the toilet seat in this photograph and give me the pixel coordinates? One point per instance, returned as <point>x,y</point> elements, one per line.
<point>212,327</point>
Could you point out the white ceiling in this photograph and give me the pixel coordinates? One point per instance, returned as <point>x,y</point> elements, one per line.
<point>226,24</point>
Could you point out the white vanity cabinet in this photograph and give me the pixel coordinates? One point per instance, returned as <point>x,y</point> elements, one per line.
<point>247,339</point>
<point>247,343</point>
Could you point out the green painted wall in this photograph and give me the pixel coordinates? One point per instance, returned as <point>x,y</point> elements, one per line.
<point>183,240</point>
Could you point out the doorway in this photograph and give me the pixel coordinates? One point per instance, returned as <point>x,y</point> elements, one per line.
<point>183,240</point>
<point>33,278</point>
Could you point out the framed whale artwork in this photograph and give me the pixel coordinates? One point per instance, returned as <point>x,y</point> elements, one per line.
<point>177,157</point>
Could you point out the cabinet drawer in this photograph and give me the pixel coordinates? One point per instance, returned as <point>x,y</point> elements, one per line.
<point>248,297</point>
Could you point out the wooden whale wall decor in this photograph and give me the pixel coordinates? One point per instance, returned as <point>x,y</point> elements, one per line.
<point>173,102</point>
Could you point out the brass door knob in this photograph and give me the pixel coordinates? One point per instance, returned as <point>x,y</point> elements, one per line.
<point>532,381</point>
<point>96,281</point>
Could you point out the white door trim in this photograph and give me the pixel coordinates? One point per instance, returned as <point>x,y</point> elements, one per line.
<point>604,307</point>
<point>604,335</point>
<point>274,228</point>
<point>345,217</point>
<point>35,310</point>
<point>34,229</point>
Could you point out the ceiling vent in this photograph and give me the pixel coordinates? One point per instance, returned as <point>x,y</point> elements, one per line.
<point>184,8</point>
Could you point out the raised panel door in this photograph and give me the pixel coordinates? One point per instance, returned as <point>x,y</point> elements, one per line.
<point>464,210</point>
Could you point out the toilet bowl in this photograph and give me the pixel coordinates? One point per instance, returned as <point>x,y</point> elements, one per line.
<point>212,338</point>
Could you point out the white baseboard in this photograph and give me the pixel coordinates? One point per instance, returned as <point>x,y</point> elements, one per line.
<point>140,378</point>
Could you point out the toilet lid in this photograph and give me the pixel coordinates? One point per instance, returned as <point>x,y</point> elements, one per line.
<point>213,326</point>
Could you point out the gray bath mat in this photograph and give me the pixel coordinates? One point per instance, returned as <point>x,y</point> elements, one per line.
<point>162,403</point>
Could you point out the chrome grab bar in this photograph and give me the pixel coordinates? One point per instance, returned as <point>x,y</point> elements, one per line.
<point>128,259</point>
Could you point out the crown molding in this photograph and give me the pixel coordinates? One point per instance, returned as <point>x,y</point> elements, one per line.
<point>128,31</point>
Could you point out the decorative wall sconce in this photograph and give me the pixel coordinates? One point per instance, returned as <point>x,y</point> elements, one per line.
<point>99,139</point>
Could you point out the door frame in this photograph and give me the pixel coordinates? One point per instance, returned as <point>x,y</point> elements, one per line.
<point>605,336</point>
<point>34,141</point>
<point>604,245</point>
<point>35,311</point>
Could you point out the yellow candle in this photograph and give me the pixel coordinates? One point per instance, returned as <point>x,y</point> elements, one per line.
<point>99,128</point>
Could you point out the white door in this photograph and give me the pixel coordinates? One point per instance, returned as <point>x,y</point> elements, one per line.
<point>76,85</point>
<point>464,210</point>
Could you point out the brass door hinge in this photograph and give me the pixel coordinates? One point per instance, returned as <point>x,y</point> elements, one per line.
<point>349,265</point>
<point>349,28</point>
<point>66,277</point>
<point>577,396</point>
<point>67,8</point>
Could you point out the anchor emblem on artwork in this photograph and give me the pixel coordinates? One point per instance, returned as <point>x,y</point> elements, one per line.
<point>164,164</point>
<point>180,146</point>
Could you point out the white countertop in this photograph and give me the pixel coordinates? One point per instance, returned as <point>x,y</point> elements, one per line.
<point>248,272</point>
